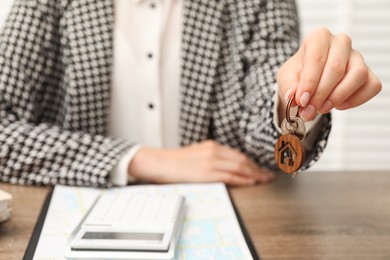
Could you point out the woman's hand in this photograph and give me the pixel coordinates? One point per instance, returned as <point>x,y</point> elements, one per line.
<point>326,73</point>
<point>207,161</point>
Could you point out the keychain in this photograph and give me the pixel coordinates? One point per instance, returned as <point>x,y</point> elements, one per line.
<point>289,151</point>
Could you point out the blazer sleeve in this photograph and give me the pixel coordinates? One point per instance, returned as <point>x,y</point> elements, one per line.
<point>32,152</point>
<point>275,38</point>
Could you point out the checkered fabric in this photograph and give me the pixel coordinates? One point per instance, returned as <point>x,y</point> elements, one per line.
<point>55,76</point>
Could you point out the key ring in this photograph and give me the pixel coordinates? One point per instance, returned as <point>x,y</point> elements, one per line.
<point>288,107</point>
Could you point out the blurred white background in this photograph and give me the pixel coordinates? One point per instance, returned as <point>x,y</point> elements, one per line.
<point>4,8</point>
<point>360,139</point>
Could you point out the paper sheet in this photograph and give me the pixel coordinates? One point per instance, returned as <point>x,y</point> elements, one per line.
<point>210,229</point>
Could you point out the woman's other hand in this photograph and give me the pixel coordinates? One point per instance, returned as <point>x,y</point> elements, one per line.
<point>207,161</point>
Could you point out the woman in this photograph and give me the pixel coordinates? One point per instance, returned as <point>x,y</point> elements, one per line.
<point>100,92</point>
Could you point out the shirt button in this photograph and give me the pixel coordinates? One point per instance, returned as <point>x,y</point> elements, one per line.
<point>150,106</point>
<point>152,5</point>
<point>150,55</point>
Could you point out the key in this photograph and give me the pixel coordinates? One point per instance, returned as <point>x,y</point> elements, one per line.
<point>297,127</point>
<point>289,151</point>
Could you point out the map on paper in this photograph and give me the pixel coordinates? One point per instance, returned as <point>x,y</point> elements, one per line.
<point>210,229</point>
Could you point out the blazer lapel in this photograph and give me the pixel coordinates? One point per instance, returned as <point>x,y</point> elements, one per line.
<point>88,61</point>
<point>245,16</point>
<point>201,40</point>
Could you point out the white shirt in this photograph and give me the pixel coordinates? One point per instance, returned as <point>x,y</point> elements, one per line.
<point>146,73</point>
<point>146,77</point>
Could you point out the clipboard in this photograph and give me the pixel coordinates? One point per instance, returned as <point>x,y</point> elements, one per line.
<point>33,242</point>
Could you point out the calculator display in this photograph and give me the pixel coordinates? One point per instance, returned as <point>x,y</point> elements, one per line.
<point>124,236</point>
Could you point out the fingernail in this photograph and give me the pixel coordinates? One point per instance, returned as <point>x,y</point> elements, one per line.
<point>308,112</point>
<point>287,95</point>
<point>305,99</point>
<point>260,177</point>
<point>326,106</point>
<point>269,177</point>
<point>271,174</point>
<point>343,106</point>
<point>252,182</point>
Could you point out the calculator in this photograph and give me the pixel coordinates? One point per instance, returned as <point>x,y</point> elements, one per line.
<point>123,221</point>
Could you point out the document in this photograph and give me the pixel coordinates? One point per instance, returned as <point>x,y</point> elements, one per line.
<point>210,230</point>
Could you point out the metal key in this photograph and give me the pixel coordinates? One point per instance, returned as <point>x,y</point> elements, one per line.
<point>297,127</point>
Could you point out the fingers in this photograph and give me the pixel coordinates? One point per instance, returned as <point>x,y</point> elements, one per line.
<point>370,89</point>
<point>223,159</point>
<point>356,76</point>
<point>233,161</point>
<point>333,73</point>
<point>358,86</point>
<point>230,179</point>
<point>314,55</point>
<point>243,168</point>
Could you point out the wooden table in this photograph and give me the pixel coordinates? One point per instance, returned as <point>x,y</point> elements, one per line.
<point>16,232</point>
<point>313,216</point>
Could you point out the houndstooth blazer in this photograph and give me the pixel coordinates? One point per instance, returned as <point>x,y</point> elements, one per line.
<point>55,77</point>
